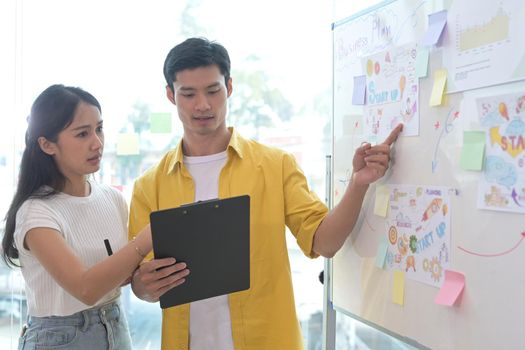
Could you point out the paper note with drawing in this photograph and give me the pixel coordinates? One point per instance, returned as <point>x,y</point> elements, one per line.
<point>484,43</point>
<point>392,93</point>
<point>502,184</point>
<point>419,232</point>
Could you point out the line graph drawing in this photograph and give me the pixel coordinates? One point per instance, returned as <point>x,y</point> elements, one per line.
<point>494,30</point>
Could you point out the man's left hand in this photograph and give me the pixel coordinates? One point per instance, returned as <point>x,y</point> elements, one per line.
<point>370,163</point>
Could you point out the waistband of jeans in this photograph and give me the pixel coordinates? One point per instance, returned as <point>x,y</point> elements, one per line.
<point>98,314</point>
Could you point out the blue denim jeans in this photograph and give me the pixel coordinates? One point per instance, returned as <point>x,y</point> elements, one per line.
<point>100,328</point>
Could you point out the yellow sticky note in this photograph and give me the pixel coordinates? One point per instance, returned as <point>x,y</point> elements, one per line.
<point>127,144</point>
<point>398,290</point>
<point>382,200</point>
<point>440,80</point>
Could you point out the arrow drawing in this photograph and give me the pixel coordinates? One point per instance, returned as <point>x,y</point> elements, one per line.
<point>492,255</point>
<point>448,129</point>
<point>515,197</point>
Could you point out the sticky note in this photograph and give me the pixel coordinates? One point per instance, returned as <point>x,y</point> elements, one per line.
<point>422,62</point>
<point>359,94</point>
<point>119,187</point>
<point>160,123</point>
<point>436,24</point>
<point>440,80</point>
<point>451,289</point>
<point>473,150</point>
<point>398,289</point>
<point>382,200</point>
<point>382,249</point>
<point>127,144</point>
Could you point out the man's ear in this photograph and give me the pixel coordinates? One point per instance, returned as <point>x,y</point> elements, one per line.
<point>229,87</point>
<point>170,95</point>
<point>47,146</point>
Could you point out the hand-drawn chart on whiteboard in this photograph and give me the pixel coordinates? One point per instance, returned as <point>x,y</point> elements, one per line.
<point>484,45</point>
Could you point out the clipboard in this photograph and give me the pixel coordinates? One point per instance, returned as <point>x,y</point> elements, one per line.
<point>213,238</point>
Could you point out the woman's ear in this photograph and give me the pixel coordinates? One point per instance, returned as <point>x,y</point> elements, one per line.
<point>47,146</point>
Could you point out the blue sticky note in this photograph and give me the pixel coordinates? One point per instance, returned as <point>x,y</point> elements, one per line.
<point>382,249</point>
<point>422,63</point>
<point>359,94</point>
<point>436,24</point>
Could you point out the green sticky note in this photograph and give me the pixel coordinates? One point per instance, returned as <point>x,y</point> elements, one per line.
<point>422,63</point>
<point>382,249</point>
<point>160,123</point>
<point>473,151</point>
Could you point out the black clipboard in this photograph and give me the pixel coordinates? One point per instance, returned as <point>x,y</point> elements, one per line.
<point>213,238</point>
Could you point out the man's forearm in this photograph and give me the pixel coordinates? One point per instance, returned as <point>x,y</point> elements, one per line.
<point>340,221</point>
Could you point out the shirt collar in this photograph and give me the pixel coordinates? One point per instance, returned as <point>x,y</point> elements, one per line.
<point>236,145</point>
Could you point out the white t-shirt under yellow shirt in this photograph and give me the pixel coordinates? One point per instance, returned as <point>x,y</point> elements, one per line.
<point>210,322</point>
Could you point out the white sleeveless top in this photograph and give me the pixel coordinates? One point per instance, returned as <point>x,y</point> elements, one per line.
<point>84,222</point>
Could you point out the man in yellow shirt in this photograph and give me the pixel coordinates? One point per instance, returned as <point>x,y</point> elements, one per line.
<point>212,161</point>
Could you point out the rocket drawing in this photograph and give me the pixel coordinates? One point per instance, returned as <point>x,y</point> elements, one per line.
<point>432,208</point>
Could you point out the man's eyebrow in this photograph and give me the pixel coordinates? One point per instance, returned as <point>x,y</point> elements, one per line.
<point>189,88</point>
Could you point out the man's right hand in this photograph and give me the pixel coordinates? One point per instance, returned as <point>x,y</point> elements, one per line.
<point>155,277</point>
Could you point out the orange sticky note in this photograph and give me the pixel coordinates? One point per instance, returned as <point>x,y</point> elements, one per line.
<point>398,290</point>
<point>451,289</point>
<point>440,80</point>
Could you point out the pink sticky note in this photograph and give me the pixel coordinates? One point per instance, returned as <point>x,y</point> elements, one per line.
<point>119,187</point>
<point>451,288</point>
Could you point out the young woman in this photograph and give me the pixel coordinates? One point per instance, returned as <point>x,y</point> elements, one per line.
<point>57,224</point>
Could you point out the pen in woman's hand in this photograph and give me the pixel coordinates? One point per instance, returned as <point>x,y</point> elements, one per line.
<point>108,247</point>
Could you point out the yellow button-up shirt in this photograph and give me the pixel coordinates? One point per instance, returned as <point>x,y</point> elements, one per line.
<point>264,316</point>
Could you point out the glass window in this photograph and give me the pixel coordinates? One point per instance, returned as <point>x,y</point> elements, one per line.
<point>354,335</point>
<point>281,61</point>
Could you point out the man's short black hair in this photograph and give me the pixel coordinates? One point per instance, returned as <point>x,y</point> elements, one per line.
<point>194,53</point>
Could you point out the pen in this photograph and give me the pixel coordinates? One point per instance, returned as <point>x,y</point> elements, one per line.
<point>108,247</point>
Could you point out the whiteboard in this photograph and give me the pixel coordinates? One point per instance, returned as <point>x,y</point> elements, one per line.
<point>485,245</point>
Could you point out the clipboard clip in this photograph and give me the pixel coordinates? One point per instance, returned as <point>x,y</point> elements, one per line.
<point>200,202</point>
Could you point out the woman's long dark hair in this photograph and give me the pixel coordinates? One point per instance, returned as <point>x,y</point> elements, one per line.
<point>52,112</point>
